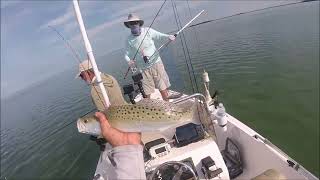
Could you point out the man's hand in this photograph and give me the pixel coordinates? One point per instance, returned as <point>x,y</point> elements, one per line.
<point>131,63</point>
<point>172,37</point>
<point>114,136</point>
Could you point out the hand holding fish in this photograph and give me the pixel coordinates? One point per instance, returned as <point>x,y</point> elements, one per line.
<point>114,136</point>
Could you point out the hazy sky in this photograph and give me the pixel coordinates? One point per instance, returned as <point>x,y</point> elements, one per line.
<point>32,52</point>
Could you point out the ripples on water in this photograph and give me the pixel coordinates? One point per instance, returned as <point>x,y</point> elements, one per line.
<point>265,65</point>
<point>25,150</point>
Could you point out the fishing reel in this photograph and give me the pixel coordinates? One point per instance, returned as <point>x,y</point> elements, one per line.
<point>137,81</point>
<point>129,89</point>
<point>146,59</point>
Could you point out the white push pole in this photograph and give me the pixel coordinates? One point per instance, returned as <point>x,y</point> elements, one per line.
<point>177,33</point>
<point>90,53</point>
<point>189,22</point>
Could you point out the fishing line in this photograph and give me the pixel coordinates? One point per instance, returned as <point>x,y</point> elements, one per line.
<point>185,57</point>
<point>185,42</point>
<point>194,30</point>
<point>238,14</point>
<point>60,128</point>
<point>188,53</point>
<point>77,57</point>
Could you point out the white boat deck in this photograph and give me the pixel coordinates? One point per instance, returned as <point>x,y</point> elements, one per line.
<point>257,155</point>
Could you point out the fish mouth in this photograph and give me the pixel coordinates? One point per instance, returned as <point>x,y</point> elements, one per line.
<point>81,126</point>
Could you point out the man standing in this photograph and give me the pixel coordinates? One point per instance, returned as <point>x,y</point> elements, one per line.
<point>141,52</point>
<point>110,83</point>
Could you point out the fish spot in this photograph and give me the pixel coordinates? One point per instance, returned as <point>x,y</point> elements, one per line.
<point>131,108</point>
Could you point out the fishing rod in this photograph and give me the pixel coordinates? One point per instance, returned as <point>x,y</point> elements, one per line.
<point>76,55</point>
<point>241,13</point>
<point>56,131</point>
<point>90,53</point>
<point>175,35</point>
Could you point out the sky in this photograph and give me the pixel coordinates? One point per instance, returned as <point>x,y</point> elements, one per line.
<point>32,52</point>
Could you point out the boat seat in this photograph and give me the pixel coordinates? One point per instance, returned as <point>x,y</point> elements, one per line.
<point>270,174</point>
<point>231,156</point>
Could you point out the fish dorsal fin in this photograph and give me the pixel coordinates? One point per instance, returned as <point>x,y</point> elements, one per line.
<point>164,105</point>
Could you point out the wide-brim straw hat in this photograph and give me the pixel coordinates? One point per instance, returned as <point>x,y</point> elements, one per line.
<point>133,17</point>
<point>84,66</point>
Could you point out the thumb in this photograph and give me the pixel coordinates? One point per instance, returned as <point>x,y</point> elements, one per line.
<point>102,120</point>
<point>101,117</point>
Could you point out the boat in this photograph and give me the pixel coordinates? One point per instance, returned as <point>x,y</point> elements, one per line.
<point>235,151</point>
<point>212,145</point>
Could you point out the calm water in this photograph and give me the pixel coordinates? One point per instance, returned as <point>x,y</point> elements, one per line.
<point>266,66</point>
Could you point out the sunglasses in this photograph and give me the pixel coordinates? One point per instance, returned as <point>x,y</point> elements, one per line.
<point>133,22</point>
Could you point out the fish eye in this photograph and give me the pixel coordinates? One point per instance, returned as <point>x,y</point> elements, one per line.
<point>85,121</point>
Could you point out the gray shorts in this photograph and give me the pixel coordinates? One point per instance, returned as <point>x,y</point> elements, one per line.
<point>155,77</point>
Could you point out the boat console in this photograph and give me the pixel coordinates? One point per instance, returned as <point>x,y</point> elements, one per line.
<point>190,154</point>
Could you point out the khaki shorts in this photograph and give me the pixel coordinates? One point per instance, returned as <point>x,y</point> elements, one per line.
<point>155,77</point>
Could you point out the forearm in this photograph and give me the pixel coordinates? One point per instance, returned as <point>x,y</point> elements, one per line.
<point>128,52</point>
<point>158,35</point>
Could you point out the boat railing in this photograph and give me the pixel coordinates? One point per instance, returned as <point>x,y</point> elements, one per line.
<point>206,120</point>
<point>295,165</point>
<point>200,96</point>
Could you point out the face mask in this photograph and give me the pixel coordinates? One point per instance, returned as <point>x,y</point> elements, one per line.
<point>136,30</point>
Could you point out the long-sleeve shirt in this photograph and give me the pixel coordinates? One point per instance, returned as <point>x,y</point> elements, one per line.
<point>147,47</point>
<point>113,90</point>
<point>121,162</point>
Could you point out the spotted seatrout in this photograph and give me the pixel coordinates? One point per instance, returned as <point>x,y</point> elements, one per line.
<point>148,115</point>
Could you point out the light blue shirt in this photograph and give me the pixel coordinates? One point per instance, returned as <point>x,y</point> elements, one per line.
<point>147,48</point>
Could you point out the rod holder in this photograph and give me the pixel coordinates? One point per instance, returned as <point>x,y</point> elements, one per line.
<point>128,90</point>
<point>137,81</point>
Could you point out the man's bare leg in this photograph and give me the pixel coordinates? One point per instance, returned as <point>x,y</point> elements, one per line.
<point>164,94</point>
